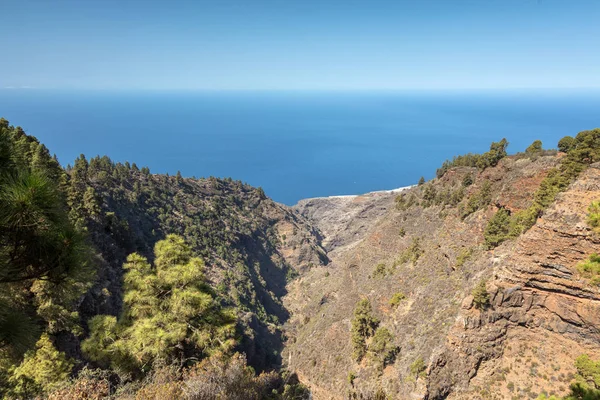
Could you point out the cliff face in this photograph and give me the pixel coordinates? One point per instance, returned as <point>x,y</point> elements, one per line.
<point>542,314</point>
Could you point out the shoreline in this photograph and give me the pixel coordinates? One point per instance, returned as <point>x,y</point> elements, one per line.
<point>348,196</point>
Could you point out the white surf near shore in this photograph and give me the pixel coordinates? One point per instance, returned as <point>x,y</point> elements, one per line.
<point>347,196</point>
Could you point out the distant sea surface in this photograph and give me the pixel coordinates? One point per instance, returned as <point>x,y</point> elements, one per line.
<point>296,144</point>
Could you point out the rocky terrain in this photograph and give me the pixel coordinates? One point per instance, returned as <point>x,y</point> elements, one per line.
<point>542,313</point>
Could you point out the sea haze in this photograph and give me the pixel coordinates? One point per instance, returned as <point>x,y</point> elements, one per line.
<point>296,144</point>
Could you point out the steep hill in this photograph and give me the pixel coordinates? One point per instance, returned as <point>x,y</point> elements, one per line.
<point>251,245</point>
<point>418,263</point>
<point>479,284</point>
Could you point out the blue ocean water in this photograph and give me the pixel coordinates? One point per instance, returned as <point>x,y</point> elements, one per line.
<point>296,145</point>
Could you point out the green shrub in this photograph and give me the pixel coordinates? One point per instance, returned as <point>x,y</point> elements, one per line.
<point>363,327</point>
<point>396,299</point>
<point>481,161</point>
<point>418,367</point>
<point>477,201</point>
<point>481,297</point>
<point>590,268</point>
<point>404,201</point>
<point>402,232</point>
<point>497,229</point>
<point>566,144</point>
<point>42,370</point>
<point>463,256</point>
<point>380,271</point>
<point>421,181</point>
<point>593,217</point>
<point>468,180</point>
<point>534,147</point>
<point>412,253</point>
<point>381,348</point>
<point>429,195</point>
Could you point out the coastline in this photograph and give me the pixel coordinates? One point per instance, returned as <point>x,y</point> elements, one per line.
<point>350,196</point>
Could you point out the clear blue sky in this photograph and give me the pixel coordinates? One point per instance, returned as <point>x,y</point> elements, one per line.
<point>308,44</point>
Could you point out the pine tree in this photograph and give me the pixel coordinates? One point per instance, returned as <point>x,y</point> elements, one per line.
<point>169,314</point>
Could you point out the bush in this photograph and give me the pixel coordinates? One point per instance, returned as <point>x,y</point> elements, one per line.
<point>412,253</point>
<point>363,327</point>
<point>468,180</point>
<point>534,147</point>
<point>593,217</point>
<point>590,268</point>
<point>481,161</point>
<point>463,256</point>
<point>497,229</point>
<point>481,297</point>
<point>380,271</point>
<point>478,201</point>
<point>42,370</point>
<point>566,144</point>
<point>402,232</point>
<point>418,367</point>
<point>404,201</point>
<point>381,348</point>
<point>396,299</point>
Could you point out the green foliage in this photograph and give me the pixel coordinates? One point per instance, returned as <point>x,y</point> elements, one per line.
<point>381,349</point>
<point>477,201</point>
<point>463,257</point>
<point>482,161</point>
<point>404,201</point>
<point>42,370</point>
<point>582,150</point>
<point>587,380</point>
<point>412,253</point>
<point>429,195</point>
<point>351,378</point>
<point>396,299</point>
<point>567,144</point>
<point>534,147</point>
<point>364,325</point>
<point>497,229</point>
<point>169,314</point>
<point>590,268</point>
<point>468,180</point>
<point>380,271</point>
<point>481,297</point>
<point>402,232</point>
<point>45,266</point>
<point>418,367</point>
<point>593,217</point>
<point>421,181</point>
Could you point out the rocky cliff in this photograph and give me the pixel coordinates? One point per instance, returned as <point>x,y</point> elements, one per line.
<point>425,246</point>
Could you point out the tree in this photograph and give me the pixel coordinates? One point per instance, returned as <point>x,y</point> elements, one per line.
<point>42,370</point>
<point>421,181</point>
<point>497,229</point>
<point>382,349</point>
<point>566,144</point>
<point>363,327</point>
<point>534,147</point>
<point>481,297</point>
<point>169,314</point>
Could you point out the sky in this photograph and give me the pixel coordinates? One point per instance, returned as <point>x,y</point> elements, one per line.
<point>300,45</point>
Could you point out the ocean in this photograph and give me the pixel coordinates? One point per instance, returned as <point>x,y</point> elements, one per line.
<point>296,145</point>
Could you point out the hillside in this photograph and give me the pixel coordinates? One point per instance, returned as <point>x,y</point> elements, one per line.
<point>479,284</point>
<point>418,264</point>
